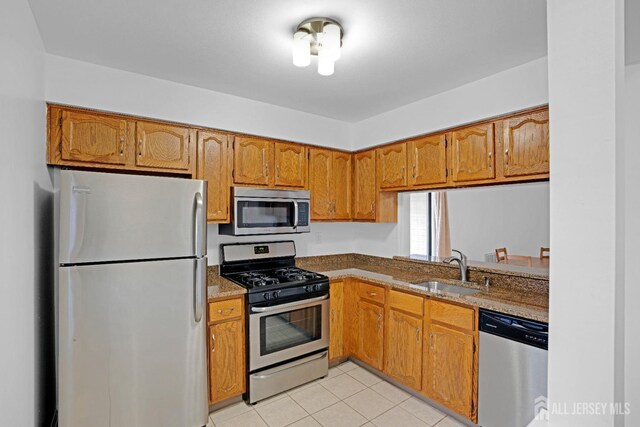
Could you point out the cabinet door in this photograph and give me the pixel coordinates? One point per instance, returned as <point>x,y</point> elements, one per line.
<point>364,185</point>
<point>473,153</point>
<point>448,368</point>
<point>252,161</point>
<point>370,333</point>
<point>213,166</point>
<point>526,145</point>
<point>428,160</point>
<point>392,166</point>
<point>403,348</point>
<point>94,138</point>
<point>163,146</point>
<point>336,320</point>
<point>320,183</point>
<point>291,165</point>
<point>341,179</point>
<point>226,360</point>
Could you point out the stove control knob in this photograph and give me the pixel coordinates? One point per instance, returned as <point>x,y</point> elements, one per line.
<point>275,294</point>
<point>267,295</point>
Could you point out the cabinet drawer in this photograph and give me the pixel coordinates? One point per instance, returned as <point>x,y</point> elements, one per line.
<point>371,292</point>
<point>406,302</point>
<point>454,315</point>
<point>224,310</point>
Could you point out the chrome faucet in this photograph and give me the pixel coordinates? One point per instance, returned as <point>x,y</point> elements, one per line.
<point>462,262</point>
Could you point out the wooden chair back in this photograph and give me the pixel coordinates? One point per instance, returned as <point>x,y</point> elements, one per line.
<point>501,255</point>
<point>544,253</point>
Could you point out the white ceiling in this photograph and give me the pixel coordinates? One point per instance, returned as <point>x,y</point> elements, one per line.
<point>394,52</point>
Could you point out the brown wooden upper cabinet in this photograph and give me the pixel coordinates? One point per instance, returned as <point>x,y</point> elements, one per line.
<point>213,166</point>
<point>428,160</point>
<point>253,161</point>
<point>92,139</point>
<point>291,165</point>
<point>265,162</point>
<point>95,138</point>
<point>473,153</point>
<point>164,146</point>
<point>392,166</point>
<point>526,144</point>
<point>330,184</point>
<point>364,185</point>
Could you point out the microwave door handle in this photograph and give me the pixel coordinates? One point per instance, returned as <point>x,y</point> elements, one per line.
<point>295,213</point>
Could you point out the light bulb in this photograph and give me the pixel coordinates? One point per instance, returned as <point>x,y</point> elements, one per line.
<point>301,49</point>
<point>325,62</point>
<point>331,40</point>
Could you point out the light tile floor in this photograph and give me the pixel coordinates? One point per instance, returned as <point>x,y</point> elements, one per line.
<point>349,396</point>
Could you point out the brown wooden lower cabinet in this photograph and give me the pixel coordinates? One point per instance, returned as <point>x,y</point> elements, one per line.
<point>227,375</point>
<point>449,373</point>
<point>336,320</point>
<point>425,344</point>
<point>403,339</point>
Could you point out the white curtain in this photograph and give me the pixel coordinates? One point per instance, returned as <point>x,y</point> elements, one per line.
<point>441,234</point>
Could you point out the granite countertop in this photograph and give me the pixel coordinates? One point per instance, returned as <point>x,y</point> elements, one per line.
<point>524,303</point>
<point>508,269</point>
<point>219,287</point>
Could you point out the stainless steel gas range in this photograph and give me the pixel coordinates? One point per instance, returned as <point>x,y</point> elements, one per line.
<point>288,316</point>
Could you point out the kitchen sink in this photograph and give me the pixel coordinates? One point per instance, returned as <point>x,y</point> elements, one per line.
<point>444,288</point>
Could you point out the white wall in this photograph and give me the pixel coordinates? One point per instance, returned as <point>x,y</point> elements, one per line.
<point>511,216</point>
<point>511,90</point>
<point>25,225</point>
<point>324,239</point>
<point>585,66</point>
<point>632,255</point>
<point>88,85</point>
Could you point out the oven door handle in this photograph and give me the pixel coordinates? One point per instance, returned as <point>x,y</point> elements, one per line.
<point>287,305</point>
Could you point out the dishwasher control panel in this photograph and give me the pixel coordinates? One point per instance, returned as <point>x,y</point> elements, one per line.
<point>515,328</point>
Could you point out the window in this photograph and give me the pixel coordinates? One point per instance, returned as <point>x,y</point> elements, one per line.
<point>420,224</point>
<point>429,234</point>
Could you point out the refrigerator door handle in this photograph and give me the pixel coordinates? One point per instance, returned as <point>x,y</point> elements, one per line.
<point>78,220</point>
<point>199,228</point>
<point>198,287</point>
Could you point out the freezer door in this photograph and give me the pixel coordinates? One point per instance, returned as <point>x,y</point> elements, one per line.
<point>131,351</point>
<point>116,217</point>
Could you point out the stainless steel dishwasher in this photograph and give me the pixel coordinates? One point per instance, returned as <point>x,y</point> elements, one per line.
<point>513,369</point>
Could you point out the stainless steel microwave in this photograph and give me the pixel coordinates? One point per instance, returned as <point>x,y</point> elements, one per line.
<point>266,211</point>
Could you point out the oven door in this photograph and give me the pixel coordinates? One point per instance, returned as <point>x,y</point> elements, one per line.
<point>281,332</point>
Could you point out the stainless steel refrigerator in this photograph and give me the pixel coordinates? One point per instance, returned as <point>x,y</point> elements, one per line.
<point>131,294</point>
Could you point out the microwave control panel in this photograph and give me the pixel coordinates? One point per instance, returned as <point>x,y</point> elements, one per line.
<point>303,214</point>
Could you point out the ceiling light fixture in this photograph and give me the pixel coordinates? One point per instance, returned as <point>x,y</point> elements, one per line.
<point>321,37</point>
